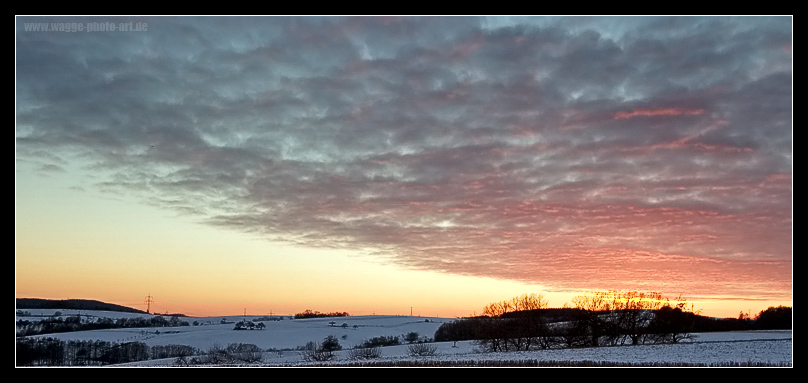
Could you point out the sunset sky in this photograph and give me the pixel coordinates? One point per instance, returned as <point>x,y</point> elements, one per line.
<point>388,165</point>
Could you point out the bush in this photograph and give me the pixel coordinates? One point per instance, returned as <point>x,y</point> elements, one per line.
<point>216,355</point>
<point>422,349</point>
<point>363,353</point>
<point>312,352</point>
<point>315,353</point>
<point>381,341</point>
<point>331,343</point>
<point>245,352</point>
<point>411,337</point>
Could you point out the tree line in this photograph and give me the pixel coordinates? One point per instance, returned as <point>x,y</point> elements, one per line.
<point>600,319</point>
<point>75,323</point>
<point>316,314</point>
<point>44,351</point>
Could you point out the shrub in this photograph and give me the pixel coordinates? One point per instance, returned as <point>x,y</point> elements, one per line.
<point>313,353</point>
<point>381,341</point>
<point>216,354</point>
<point>422,349</point>
<point>411,337</point>
<point>331,343</point>
<point>245,352</point>
<point>182,361</point>
<point>363,353</point>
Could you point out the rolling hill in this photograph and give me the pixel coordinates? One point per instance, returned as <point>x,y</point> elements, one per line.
<point>72,304</point>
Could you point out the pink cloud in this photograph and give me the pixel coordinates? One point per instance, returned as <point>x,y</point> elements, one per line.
<point>468,46</point>
<point>659,112</point>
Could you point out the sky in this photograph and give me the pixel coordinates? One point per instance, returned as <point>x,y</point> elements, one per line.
<point>397,165</point>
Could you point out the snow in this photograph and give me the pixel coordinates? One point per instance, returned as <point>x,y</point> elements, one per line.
<point>282,337</point>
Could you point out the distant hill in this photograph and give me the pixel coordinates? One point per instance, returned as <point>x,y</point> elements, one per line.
<point>73,304</point>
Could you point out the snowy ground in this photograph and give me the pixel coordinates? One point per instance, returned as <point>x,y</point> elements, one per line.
<point>285,335</point>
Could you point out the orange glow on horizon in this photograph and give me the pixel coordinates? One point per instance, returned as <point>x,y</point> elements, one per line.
<point>719,307</point>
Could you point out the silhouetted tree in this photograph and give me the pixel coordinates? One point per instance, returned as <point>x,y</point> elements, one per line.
<point>774,318</point>
<point>632,313</point>
<point>575,332</point>
<point>316,314</point>
<point>593,306</point>
<point>671,324</point>
<point>493,333</point>
<point>455,331</point>
<point>517,323</point>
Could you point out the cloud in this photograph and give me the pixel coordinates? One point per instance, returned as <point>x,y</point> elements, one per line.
<point>659,112</point>
<point>567,152</point>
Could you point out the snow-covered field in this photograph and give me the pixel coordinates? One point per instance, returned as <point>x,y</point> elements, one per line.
<point>283,336</point>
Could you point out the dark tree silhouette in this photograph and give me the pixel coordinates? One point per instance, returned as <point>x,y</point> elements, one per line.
<point>774,318</point>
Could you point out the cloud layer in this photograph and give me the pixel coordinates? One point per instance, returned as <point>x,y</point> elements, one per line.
<point>650,153</point>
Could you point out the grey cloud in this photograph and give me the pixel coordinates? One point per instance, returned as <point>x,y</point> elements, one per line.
<point>447,144</point>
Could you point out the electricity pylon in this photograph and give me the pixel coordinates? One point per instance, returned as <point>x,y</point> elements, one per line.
<point>148,303</point>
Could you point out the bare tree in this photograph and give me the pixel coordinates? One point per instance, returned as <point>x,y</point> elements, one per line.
<point>312,352</point>
<point>361,353</point>
<point>516,323</point>
<point>673,321</point>
<point>593,306</point>
<point>633,312</point>
<point>422,349</point>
